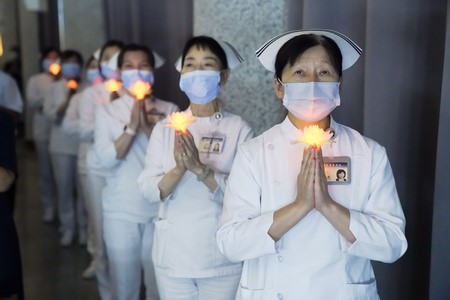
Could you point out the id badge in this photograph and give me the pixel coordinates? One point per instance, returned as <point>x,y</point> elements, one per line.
<point>211,144</point>
<point>337,169</point>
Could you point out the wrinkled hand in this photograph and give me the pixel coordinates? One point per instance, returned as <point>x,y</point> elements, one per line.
<point>321,195</point>
<point>178,152</point>
<point>305,180</point>
<point>191,158</point>
<point>135,116</point>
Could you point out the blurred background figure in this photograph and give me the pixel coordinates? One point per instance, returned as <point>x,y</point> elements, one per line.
<point>71,126</point>
<point>11,286</point>
<point>37,87</point>
<point>63,148</point>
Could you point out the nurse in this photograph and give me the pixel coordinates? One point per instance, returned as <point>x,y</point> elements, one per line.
<point>301,237</point>
<point>122,130</point>
<point>63,148</point>
<point>185,175</point>
<point>92,98</point>
<point>36,89</point>
<point>71,125</point>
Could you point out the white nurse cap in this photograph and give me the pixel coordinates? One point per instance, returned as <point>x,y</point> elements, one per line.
<point>96,54</point>
<point>234,59</point>
<point>113,61</point>
<point>267,53</point>
<point>159,61</point>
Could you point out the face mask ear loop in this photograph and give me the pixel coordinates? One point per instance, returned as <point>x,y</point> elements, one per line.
<point>281,82</point>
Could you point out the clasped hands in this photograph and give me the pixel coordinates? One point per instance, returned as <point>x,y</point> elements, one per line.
<point>312,190</point>
<point>139,120</point>
<point>186,154</point>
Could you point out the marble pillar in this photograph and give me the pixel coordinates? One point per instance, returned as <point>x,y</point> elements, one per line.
<point>246,25</point>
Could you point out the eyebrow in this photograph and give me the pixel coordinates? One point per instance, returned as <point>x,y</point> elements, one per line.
<point>207,57</point>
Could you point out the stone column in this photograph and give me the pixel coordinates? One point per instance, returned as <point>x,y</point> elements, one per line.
<point>246,25</point>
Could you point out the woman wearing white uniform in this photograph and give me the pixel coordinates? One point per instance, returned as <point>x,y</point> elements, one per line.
<point>185,175</point>
<point>122,131</point>
<point>300,236</point>
<point>37,87</point>
<point>71,125</point>
<point>63,148</point>
<point>92,98</point>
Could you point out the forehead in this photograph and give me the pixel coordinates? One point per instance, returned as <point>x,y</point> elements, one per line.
<point>198,51</point>
<point>135,55</point>
<point>316,54</point>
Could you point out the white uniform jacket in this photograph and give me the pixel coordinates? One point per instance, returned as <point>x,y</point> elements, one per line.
<point>93,97</point>
<point>37,88</point>
<point>312,260</point>
<point>60,141</point>
<point>185,232</point>
<point>121,197</point>
<point>71,126</point>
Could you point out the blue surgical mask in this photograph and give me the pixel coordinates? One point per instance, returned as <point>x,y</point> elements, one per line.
<point>108,72</point>
<point>93,76</point>
<point>70,70</point>
<point>46,64</point>
<point>200,86</point>
<point>311,101</point>
<point>131,76</point>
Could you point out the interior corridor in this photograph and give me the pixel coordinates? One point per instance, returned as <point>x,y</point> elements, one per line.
<point>49,270</point>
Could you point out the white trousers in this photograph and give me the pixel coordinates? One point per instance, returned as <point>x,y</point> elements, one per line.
<point>129,248</point>
<point>217,288</point>
<point>65,170</point>
<point>46,181</point>
<point>94,188</point>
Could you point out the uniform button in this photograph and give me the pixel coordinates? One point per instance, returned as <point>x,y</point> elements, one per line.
<point>280,258</point>
<point>276,183</point>
<point>271,147</point>
<point>280,296</point>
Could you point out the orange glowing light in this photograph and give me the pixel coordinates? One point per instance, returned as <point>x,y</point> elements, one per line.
<point>72,84</point>
<point>113,85</point>
<point>179,120</point>
<point>313,135</point>
<point>54,69</point>
<point>140,89</point>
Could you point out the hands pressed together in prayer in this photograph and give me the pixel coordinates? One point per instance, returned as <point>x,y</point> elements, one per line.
<point>186,154</point>
<point>311,182</point>
<point>139,116</point>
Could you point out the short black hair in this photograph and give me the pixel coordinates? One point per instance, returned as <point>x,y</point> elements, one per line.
<point>136,47</point>
<point>47,50</point>
<point>111,43</point>
<point>68,54</point>
<point>295,47</point>
<point>206,42</point>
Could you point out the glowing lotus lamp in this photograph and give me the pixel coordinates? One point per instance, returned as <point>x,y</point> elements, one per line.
<point>140,89</point>
<point>72,84</point>
<point>113,85</point>
<point>179,120</point>
<point>313,135</point>
<point>54,69</point>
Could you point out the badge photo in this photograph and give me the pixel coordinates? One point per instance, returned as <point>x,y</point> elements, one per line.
<point>337,169</point>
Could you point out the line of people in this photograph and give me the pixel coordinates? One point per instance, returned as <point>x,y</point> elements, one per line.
<point>209,212</point>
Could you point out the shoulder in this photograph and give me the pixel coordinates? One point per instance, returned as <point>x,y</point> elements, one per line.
<point>359,143</point>
<point>237,120</point>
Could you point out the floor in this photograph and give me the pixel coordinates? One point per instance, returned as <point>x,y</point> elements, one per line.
<point>49,270</point>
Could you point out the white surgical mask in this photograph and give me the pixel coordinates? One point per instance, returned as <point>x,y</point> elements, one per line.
<point>200,86</point>
<point>129,77</point>
<point>311,101</point>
